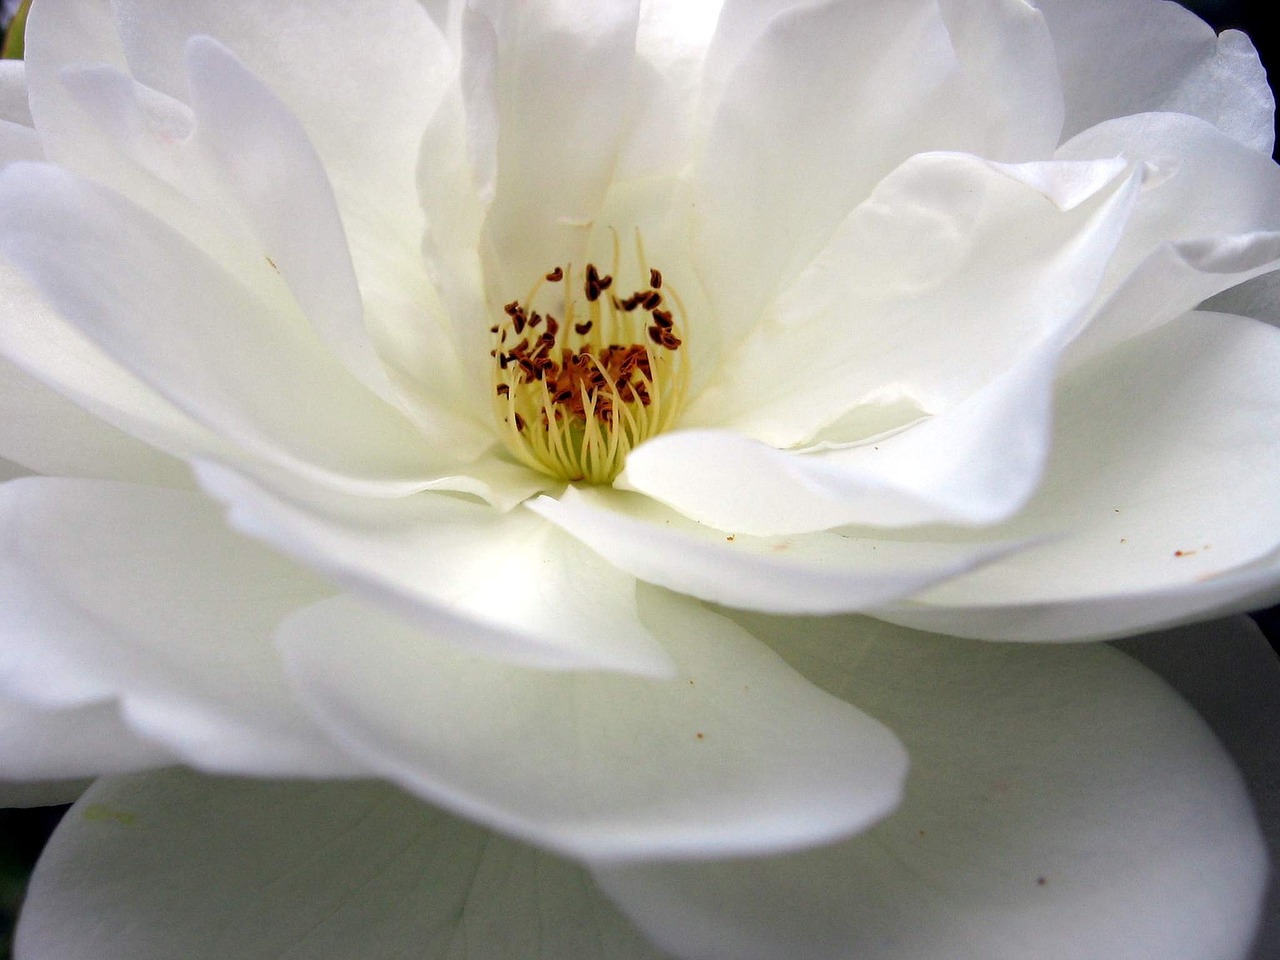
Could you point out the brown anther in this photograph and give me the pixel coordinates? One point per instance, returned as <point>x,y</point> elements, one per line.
<point>663,319</point>
<point>582,329</point>
<point>535,319</point>
<point>504,390</point>
<point>519,423</point>
<point>517,321</point>
<point>494,328</point>
<point>655,278</point>
<point>512,308</point>
<point>556,275</point>
<point>652,300</point>
<point>605,282</point>
<point>593,292</point>
<point>655,334</point>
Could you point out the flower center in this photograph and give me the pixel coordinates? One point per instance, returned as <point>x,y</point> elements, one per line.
<point>592,374</point>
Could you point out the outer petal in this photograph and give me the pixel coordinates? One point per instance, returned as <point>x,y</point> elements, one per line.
<point>259,147</point>
<point>173,866</point>
<point>1066,805</point>
<point>237,362</point>
<point>808,145</point>
<point>1241,703</point>
<point>40,745</point>
<point>1207,220</point>
<point>49,434</point>
<point>980,456</point>
<point>1143,520</point>
<point>737,755</point>
<point>508,585</point>
<point>817,573</point>
<point>141,594</point>
<point>1130,56</point>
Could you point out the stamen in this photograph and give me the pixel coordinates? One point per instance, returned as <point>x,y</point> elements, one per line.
<point>575,399</point>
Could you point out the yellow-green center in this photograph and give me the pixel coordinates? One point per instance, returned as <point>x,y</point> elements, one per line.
<point>583,374</point>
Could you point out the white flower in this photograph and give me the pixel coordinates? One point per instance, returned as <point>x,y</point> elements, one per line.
<point>535,326</point>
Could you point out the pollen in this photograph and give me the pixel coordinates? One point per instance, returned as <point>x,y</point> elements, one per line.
<point>582,373</point>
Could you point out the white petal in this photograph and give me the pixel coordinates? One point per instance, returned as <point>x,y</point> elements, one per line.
<point>40,744</point>
<point>13,92</point>
<point>951,256</point>
<point>36,340</point>
<point>1064,805</point>
<point>1207,220</point>
<point>241,364</point>
<point>18,142</point>
<point>367,144</point>
<point>509,585</point>
<point>141,594</point>
<point>808,145</point>
<point>49,434</point>
<point>737,755</point>
<point>1159,502</point>
<point>1130,56</point>
<point>560,86</point>
<point>1241,704</point>
<point>268,163</point>
<point>814,574</point>
<point>174,866</point>
<point>1259,297</point>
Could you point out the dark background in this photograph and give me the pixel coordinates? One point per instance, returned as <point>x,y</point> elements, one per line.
<point>23,832</point>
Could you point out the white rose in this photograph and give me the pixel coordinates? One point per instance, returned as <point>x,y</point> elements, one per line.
<point>503,338</point>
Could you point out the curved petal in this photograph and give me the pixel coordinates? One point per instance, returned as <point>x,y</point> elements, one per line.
<point>13,93</point>
<point>951,255</point>
<point>814,574</point>
<point>38,342</point>
<point>560,85</point>
<point>1241,704</point>
<point>1066,805</point>
<point>1130,56</point>
<point>508,585</point>
<point>39,744</point>
<point>1207,220</point>
<point>141,594</point>
<point>240,361</point>
<point>264,157</point>
<point>49,434</point>
<point>808,145</point>
<point>1169,512</point>
<point>737,755</point>
<point>330,872</point>
<point>367,144</point>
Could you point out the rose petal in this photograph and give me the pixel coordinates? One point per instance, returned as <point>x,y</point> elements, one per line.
<point>1119,57</point>
<point>560,83</point>
<point>141,594</point>
<point>259,147</point>
<point>1142,521</point>
<point>1207,220</point>
<point>813,574</point>
<point>13,93</point>
<point>509,585</point>
<point>58,745</point>
<point>951,256</point>
<point>808,145</point>
<point>238,363</point>
<point>1066,804</point>
<point>737,755</point>
<point>48,434</point>
<point>175,865</point>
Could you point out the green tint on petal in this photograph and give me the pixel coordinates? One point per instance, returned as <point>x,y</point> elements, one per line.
<point>176,866</point>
